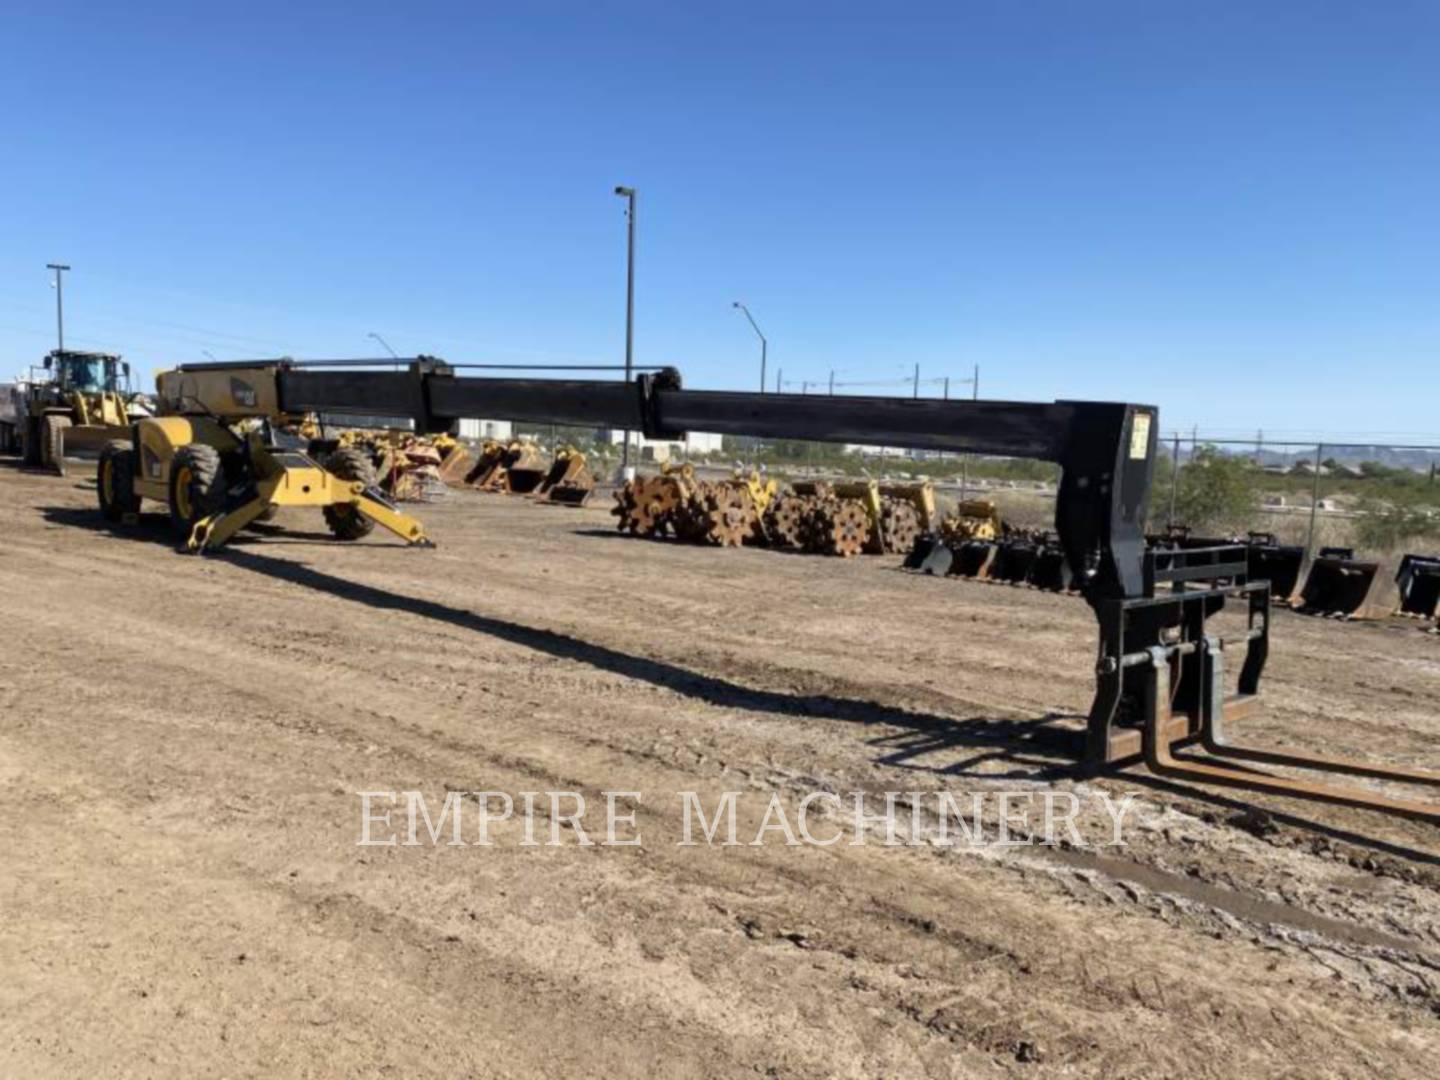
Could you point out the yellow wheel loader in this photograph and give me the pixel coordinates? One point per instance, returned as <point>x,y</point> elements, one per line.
<point>216,458</point>
<point>82,405</point>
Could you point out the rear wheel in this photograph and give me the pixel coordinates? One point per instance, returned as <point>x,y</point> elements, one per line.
<point>197,486</point>
<point>349,464</point>
<point>115,481</point>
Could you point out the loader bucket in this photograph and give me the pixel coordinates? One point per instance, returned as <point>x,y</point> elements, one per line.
<point>975,559</point>
<point>1418,581</point>
<point>1278,564</point>
<point>929,556</point>
<point>1348,588</point>
<point>1013,562</point>
<point>1050,571</point>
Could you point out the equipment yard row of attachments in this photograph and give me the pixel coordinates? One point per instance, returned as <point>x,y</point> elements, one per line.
<point>974,544</point>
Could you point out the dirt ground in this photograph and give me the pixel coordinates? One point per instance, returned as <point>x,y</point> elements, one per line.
<point>183,741</point>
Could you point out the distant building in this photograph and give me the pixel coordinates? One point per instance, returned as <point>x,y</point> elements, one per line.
<point>501,430</point>
<point>695,442</point>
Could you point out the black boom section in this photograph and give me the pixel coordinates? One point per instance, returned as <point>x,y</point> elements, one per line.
<point>1106,451</point>
<point>1014,429</point>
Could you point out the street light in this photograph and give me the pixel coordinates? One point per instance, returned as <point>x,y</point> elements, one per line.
<point>628,194</point>
<point>59,268</point>
<point>763,343</point>
<point>384,344</point>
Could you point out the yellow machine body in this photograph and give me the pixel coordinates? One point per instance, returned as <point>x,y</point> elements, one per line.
<point>226,393</point>
<point>159,437</point>
<point>224,410</point>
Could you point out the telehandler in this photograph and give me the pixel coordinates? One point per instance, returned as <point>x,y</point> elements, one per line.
<point>216,457</point>
<point>1162,666</point>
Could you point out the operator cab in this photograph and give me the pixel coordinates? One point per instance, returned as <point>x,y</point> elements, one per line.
<point>87,372</point>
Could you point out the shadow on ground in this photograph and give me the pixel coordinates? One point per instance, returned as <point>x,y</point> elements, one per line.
<point>1030,746</point>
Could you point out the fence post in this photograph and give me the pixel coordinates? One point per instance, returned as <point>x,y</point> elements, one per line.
<point>1314,503</point>
<point>1174,478</point>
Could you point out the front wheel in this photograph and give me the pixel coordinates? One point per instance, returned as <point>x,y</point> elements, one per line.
<point>349,464</point>
<point>197,486</point>
<point>115,481</point>
<point>52,443</point>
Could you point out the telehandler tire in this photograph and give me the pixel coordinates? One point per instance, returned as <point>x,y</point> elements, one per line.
<point>350,463</point>
<point>115,481</point>
<point>197,486</point>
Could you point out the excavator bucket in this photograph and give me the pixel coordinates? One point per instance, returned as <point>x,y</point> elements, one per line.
<point>1014,561</point>
<point>1348,589</point>
<point>569,482</point>
<point>1050,571</point>
<point>525,469</point>
<point>1279,564</point>
<point>488,470</point>
<point>1418,582</point>
<point>929,556</point>
<point>974,559</point>
<point>456,464</point>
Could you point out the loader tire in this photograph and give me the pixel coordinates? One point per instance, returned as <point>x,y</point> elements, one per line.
<point>52,442</point>
<point>30,443</point>
<point>115,481</point>
<point>350,463</point>
<point>197,486</point>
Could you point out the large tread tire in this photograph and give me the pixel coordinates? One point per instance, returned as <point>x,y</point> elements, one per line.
<point>52,442</point>
<point>197,486</point>
<point>115,481</point>
<point>350,463</point>
<point>30,443</point>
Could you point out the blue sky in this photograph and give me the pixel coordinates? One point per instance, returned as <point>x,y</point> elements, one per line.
<point>1229,210</point>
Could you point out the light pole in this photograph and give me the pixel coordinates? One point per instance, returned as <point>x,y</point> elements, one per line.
<point>763,343</point>
<point>628,194</point>
<point>384,344</point>
<point>59,268</point>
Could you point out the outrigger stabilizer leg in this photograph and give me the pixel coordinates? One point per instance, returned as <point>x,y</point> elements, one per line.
<point>213,531</point>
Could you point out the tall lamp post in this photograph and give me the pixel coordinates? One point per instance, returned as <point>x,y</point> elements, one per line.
<point>764,345</point>
<point>59,268</point>
<point>628,194</point>
<point>384,344</point>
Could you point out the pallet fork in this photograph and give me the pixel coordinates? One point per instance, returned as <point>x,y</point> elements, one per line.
<point>1162,687</point>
